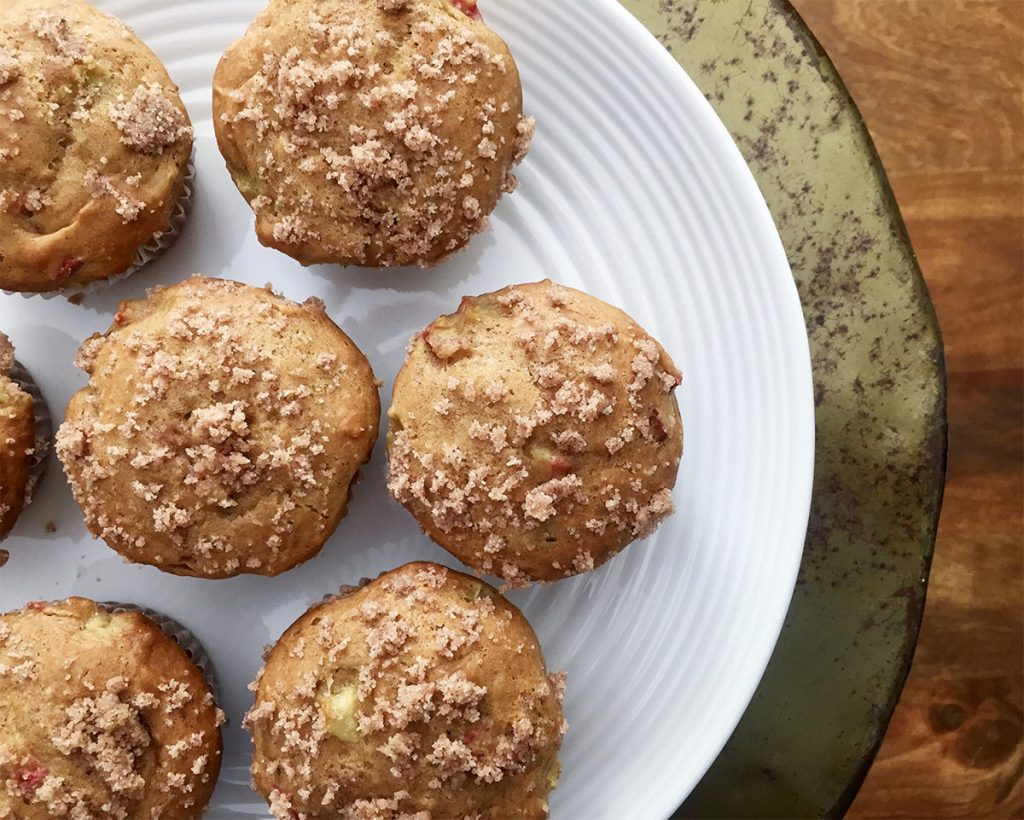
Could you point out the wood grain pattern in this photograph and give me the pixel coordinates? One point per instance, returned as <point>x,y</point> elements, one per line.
<point>941,86</point>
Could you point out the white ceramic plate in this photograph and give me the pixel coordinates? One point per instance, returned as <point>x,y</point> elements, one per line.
<point>634,192</point>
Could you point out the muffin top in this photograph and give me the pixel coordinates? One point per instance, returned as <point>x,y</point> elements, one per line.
<point>220,430</point>
<point>101,716</point>
<point>17,441</point>
<point>534,432</point>
<point>422,691</point>
<point>369,132</point>
<point>93,143</point>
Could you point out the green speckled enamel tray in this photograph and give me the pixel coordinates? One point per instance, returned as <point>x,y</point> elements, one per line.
<point>815,724</point>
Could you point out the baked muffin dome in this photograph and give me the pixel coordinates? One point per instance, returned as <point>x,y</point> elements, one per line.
<point>94,143</point>
<point>101,716</point>
<point>220,430</point>
<point>534,432</point>
<point>369,132</point>
<point>17,441</point>
<point>422,691</point>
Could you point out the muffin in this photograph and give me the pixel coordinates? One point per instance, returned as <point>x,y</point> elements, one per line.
<point>101,716</point>
<point>175,631</point>
<point>370,132</point>
<point>420,694</point>
<point>220,431</point>
<point>94,144</point>
<point>535,432</point>
<point>23,419</point>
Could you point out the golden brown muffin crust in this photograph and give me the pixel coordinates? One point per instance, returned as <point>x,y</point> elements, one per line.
<point>534,432</point>
<point>101,716</point>
<point>369,132</point>
<point>220,431</point>
<point>422,691</point>
<point>17,441</point>
<point>94,142</point>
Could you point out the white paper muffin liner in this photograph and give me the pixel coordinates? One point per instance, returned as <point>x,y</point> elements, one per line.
<point>44,429</point>
<point>176,632</point>
<point>160,242</point>
<point>345,590</point>
<point>149,252</point>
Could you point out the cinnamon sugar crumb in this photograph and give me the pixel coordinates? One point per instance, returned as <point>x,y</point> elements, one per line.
<point>495,391</point>
<point>526,128</point>
<point>99,186</point>
<point>110,735</point>
<point>540,501</point>
<point>54,29</point>
<point>643,363</point>
<point>614,444</point>
<point>149,121</point>
<point>6,355</point>
<point>471,207</point>
<point>34,200</point>
<point>653,513</point>
<point>570,441</point>
<point>9,69</point>
<point>604,373</point>
<point>445,345</point>
<point>669,381</point>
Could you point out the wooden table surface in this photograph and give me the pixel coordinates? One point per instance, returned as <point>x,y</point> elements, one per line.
<point>941,86</point>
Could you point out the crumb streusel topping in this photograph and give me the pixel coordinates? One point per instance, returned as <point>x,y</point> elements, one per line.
<point>220,430</point>
<point>534,433</point>
<point>103,718</point>
<point>423,691</point>
<point>370,132</point>
<point>93,144</point>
